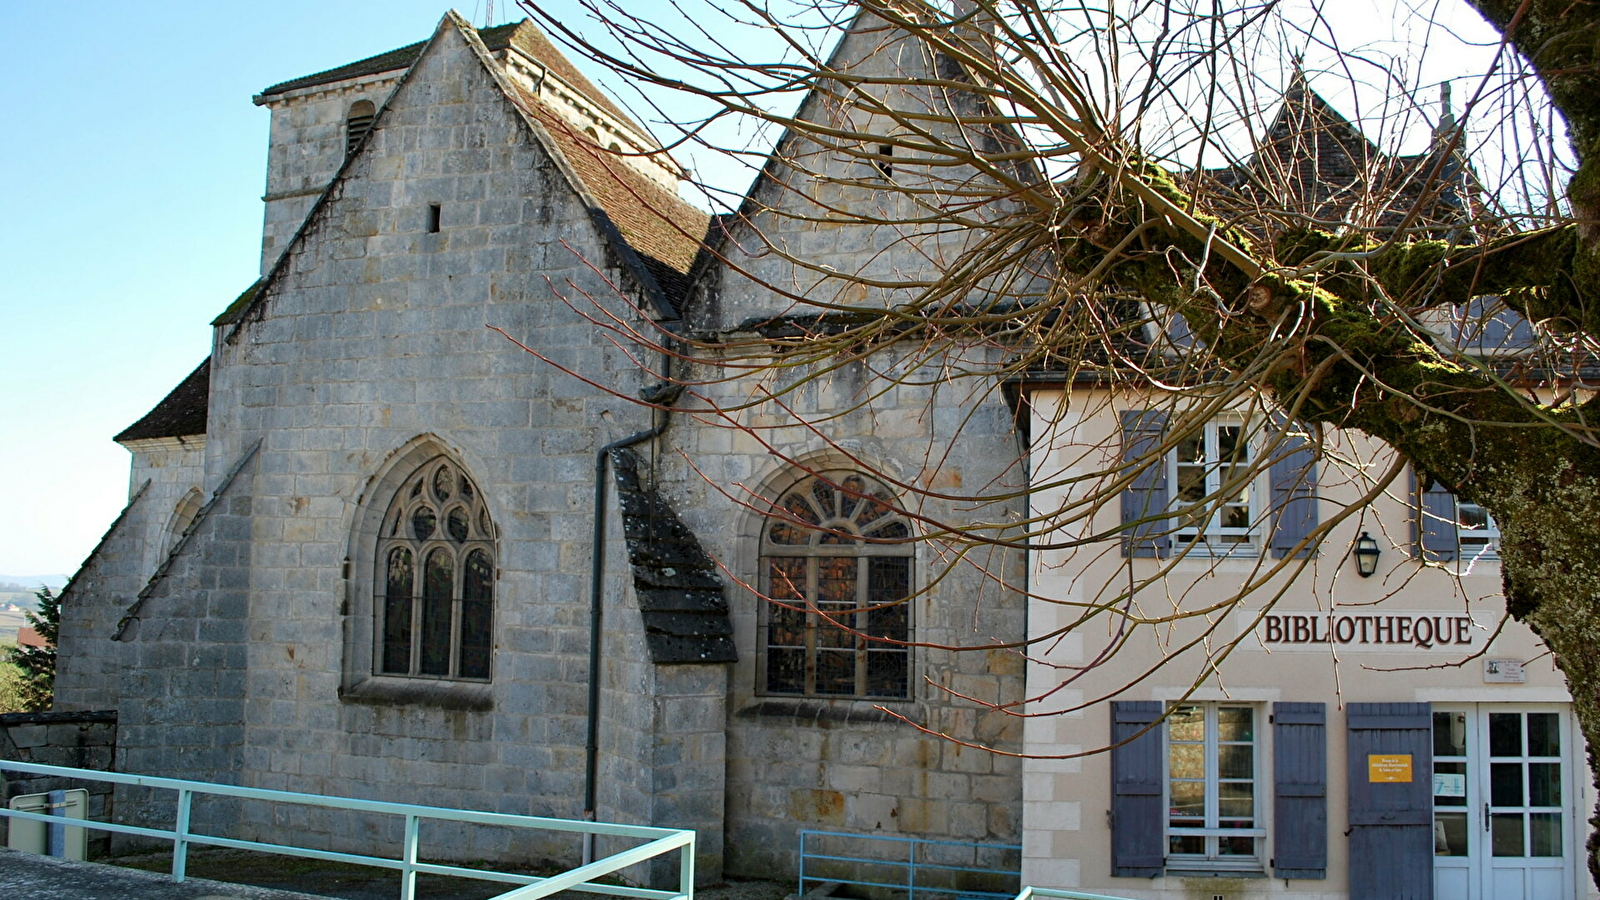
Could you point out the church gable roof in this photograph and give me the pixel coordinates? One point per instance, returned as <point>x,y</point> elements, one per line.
<point>1314,162</point>
<point>656,234</point>
<point>181,413</point>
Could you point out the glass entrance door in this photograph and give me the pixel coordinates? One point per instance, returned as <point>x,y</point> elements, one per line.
<point>1502,799</point>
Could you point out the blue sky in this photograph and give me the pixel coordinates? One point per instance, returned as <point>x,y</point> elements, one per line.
<point>132,172</point>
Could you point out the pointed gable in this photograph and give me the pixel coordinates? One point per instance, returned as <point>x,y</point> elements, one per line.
<point>1313,162</point>
<point>656,235</point>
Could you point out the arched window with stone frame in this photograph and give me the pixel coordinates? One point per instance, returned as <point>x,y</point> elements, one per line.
<point>837,570</point>
<point>434,584</point>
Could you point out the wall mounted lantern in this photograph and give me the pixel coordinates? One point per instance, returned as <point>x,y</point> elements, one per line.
<point>1366,554</point>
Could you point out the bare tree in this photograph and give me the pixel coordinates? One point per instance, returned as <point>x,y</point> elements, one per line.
<point>1118,192</point>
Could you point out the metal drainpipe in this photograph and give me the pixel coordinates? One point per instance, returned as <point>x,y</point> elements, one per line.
<point>591,748</point>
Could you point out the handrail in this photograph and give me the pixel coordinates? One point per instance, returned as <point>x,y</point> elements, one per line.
<point>912,865</point>
<point>660,840</point>
<point>1029,893</point>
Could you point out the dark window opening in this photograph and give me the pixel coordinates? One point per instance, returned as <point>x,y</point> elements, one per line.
<point>884,162</point>
<point>433,218</point>
<point>357,123</point>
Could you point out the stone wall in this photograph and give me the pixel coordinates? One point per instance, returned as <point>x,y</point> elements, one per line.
<point>370,345</point>
<point>306,147</point>
<point>81,740</point>
<point>840,764</point>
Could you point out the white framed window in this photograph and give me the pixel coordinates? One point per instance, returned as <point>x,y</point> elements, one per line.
<point>1476,531</point>
<point>1215,503</point>
<point>1214,768</point>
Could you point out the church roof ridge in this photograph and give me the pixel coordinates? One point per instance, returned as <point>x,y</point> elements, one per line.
<point>522,34</point>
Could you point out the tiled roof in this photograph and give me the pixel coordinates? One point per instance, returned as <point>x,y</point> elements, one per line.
<point>679,589</point>
<point>1313,162</point>
<point>661,227</point>
<point>523,35</point>
<point>180,414</point>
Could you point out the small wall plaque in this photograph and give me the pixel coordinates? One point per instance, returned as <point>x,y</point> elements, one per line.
<point>1389,768</point>
<point>1503,671</point>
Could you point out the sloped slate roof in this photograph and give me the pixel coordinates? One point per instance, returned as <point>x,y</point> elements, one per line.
<point>680,592</point>
<point>180,414</point>
<point>656,223</point>
<point>523,35</point>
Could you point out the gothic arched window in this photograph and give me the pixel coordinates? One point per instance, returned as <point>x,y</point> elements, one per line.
<point>357,122</point>
<point>435,578</point>
<point>837,572</point>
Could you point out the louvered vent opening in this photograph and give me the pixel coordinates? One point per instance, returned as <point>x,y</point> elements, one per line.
<point>357,124</point>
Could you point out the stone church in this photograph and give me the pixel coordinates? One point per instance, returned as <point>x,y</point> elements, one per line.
<point>375,548</point>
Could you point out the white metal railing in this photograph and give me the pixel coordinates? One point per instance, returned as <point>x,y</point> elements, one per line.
<point>661,841</point>
<point>1030,893</point>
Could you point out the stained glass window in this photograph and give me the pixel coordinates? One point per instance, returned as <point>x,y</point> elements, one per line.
<point>836,567</point>
<point>436,606</point>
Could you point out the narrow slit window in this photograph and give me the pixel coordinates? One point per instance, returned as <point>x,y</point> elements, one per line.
<point>434,218</point>
<point>884,161</point>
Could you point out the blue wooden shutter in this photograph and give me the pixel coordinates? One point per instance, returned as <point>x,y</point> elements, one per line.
<point>1300,790</point>
<point>1144,502</point>
<point>1435,525</point>
<point>1391,823</point>
<point>1294,491</point>
<point>1138,830</point>
<point>1492,327</point>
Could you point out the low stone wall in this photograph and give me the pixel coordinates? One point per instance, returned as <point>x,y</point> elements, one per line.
<point>83,740</point>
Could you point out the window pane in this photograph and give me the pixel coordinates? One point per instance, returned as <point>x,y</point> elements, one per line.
<point>1544,734</point>
<point>1186,760</point>
<point>1505,734</point>
<point>437,583</point>
<point>888,581</point>
<point>1235,724</point>
<point>786,671</point>
<point>423,522</point>
<point>1452,790</point>
<point>1234,845</point>
<point>1237,801</point>
<point>477,614</point>
<point>456,524</point>
<point>1187,723</point>
<point>1544,784</point>
<point>836,669</point>
<point>1506,834</point>
<point>1190,844</point>
<point>443,483</point>
<point>1505,784</point>
<point>397,613</point>
<point>1188,803</point>
<point>1545,834</point>
<point>888,673</point>
<point>1449,734</point>
<point>1450,834</point>
<point>1236,761</point>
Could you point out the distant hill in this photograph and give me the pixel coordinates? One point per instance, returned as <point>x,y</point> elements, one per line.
<point>31,583</point>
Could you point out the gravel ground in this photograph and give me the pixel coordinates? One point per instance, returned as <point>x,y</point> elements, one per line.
<point>348,882</point>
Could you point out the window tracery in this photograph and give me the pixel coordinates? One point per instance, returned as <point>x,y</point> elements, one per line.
<point>837,572</point>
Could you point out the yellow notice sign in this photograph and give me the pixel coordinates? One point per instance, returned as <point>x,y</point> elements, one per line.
<point>1389,768</point>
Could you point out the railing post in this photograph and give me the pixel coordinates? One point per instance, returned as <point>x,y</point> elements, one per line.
<point>408,860</point>
<point>913,873</point>
<point>180,839</point>
<point>686,870</point>
<point>55,842</point>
